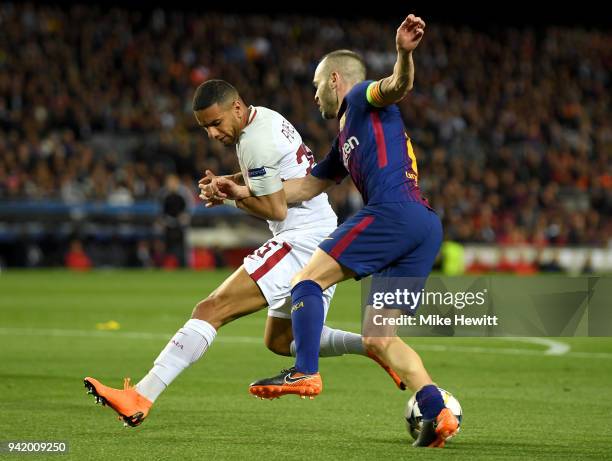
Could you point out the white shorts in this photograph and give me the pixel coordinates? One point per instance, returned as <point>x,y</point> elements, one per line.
<point>274,264</point>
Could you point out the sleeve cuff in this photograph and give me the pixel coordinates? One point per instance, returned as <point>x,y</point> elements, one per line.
<point>267,188</point>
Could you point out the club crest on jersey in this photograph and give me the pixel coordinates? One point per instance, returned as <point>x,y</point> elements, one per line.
<point>256,172</point>
<point>347,149</point>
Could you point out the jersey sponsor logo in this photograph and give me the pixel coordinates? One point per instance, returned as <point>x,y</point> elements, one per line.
<point>256,172</point>
<point>348,147</point>
<point>350,144</point>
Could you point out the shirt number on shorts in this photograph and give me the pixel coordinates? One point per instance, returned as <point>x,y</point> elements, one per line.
<point>266,248</point>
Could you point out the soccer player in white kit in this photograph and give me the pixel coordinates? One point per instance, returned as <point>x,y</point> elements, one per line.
<point>269,150</point>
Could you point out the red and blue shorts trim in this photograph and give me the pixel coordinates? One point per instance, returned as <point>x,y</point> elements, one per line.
<point>399,239</point>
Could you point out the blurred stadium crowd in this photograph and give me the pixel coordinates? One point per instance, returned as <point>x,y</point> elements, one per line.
<point>512,129</point>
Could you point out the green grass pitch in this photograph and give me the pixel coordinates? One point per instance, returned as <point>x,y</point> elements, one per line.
<point>518,403</point>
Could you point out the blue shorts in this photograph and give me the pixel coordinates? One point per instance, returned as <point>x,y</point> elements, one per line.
<point>399,239</point>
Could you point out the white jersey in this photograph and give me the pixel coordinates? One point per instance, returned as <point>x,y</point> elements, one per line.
<point>270,150</point>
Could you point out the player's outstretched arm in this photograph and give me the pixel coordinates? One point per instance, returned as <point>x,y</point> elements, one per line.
<point>296,190</point>
<point>270,206</point>
<point>302,189</point>
<point>392,89</point>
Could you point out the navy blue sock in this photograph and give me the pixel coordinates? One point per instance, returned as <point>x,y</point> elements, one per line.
<point>430,402</point>
<point>307,315</point>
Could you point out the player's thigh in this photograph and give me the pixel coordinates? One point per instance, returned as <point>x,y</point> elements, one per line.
<point>237,296</point>
<point>419,260</point>
<point>367,242</point>
<point>407,274</point>
<point>324,270</point>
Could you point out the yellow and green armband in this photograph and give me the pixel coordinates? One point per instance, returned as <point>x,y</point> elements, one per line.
<point>374,95</point>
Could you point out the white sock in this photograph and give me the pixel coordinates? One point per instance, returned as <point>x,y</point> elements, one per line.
<point>337,342</point>
<point>185,348</point>
<point>150,386</point>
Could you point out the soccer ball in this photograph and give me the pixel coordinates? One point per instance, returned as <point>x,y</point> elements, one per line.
<point>413,413</point>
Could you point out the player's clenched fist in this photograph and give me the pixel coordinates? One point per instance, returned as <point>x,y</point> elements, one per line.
<point>409,33</point>
<point>230,190</point>
<point>209,192</point>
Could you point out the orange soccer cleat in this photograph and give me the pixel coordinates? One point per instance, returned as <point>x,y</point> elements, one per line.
<point>435,433</point>
<point>132,407</point>
<point>288,381</point>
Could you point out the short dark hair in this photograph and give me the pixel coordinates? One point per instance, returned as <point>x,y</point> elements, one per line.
<point>343,54</point>
<point>350,64</point>
<point>213,92</point>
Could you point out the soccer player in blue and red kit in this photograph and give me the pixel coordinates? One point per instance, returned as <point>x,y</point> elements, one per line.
<point>396,234</point>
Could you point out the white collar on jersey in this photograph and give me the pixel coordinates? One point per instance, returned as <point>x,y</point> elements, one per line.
<point>251,115</point>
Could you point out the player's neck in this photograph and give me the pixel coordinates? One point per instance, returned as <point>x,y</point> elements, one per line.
<point>249,115</point>
<point>245,117</point>
<point>342,91</point>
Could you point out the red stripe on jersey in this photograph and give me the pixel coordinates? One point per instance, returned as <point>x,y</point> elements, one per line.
<point>271,262</point>
<point>381,148</point>
<point>351,235</point>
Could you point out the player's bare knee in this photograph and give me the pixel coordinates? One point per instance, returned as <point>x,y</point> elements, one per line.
<point>203,309</point>
<point>211,310</point>
<point>377,345</point>
<point>278,346</point>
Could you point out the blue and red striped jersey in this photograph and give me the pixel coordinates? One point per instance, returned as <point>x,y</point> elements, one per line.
<point>374,148</point>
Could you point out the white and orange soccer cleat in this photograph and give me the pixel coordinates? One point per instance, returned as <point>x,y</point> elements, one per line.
<point>131,407</point>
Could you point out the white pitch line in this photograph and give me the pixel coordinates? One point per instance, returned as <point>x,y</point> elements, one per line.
<point>482,350</point>
<point>555,348</point>
<point>107,334</point>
